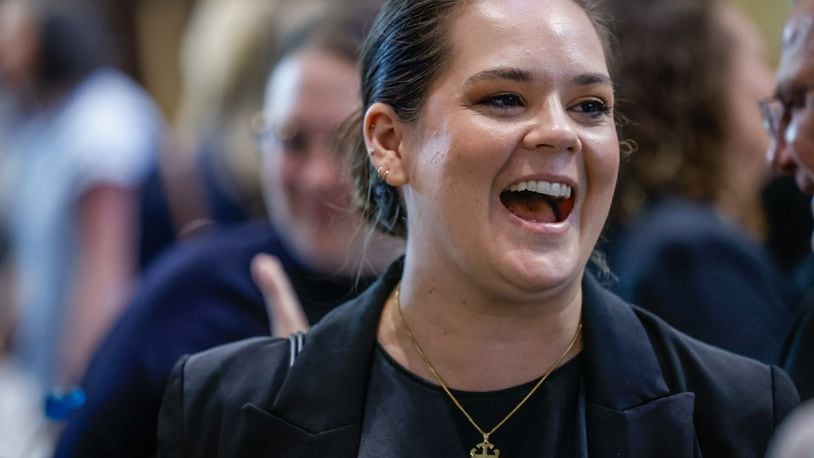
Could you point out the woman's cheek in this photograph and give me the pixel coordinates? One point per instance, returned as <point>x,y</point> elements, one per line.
<point>800,138</point>
<point>288,172</point>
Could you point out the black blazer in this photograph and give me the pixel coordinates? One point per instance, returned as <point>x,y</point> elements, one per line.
<point>649,390</point>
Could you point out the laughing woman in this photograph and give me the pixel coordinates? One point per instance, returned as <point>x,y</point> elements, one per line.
<point>488,142</point>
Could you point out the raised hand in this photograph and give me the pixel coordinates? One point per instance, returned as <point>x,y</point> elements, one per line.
<point>285,312</point>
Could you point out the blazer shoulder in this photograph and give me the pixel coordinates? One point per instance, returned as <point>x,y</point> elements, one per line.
<point>242,371</point>
<point>731,391</point>
<point>207,391</point>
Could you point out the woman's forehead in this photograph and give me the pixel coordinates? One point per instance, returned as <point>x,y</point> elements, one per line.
<point>531,34</point>
<point>312,78</point>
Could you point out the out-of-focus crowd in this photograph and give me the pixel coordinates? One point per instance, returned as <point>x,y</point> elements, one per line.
<point>130,231</point>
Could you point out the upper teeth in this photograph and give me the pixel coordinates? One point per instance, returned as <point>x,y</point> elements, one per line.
<point>543,187</point>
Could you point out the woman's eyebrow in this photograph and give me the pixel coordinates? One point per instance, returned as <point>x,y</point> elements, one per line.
<point>507,73</point>
<point>589,79</point>
<point>519,75</point>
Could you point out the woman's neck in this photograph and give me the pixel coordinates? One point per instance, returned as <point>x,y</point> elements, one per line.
<point>475,340</point>
<point>744,211</point>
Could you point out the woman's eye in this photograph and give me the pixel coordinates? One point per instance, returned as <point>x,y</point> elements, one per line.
<point>594,108</point>
<point>503,101</point>
<point>296,144</point>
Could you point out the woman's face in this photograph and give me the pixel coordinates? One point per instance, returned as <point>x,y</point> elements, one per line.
<point>512,164</point>
<point>307,192</point>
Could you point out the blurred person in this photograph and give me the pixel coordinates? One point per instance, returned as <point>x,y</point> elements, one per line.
<point>201,293</point>
<point>84,139</point>
<point>207,167</point>
<point>17,49</point>
<point>488,142</point>
<point>683,241</point>
<point>789,118</point>
<point>20,400</point>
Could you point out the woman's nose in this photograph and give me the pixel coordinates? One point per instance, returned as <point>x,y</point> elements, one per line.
<point>552,128</point>
<point>322,171</point>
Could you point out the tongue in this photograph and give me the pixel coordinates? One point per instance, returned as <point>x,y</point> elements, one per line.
<point>529,206</point>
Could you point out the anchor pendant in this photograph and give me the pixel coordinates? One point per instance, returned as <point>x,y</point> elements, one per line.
<point>484,450</point>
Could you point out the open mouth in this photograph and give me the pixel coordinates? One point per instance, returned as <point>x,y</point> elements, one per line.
<point>539,201</point>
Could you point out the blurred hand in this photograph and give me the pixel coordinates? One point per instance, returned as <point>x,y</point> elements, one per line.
<point>283,306</point>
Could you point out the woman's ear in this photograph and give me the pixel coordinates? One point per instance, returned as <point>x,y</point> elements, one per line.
<point>384,138</point>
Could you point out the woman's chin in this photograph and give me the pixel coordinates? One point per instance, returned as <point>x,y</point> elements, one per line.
<point>321,252</point>
<point>542,275</point>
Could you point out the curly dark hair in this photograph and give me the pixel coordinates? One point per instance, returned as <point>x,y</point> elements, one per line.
<point>672,77</point>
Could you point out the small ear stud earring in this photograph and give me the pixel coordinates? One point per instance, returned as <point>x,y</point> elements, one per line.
<point>370,151</point>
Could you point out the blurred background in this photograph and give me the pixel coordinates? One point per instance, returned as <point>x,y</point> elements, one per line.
<point>153,30</point>
<point>151,33</point>
<point>769,18</point>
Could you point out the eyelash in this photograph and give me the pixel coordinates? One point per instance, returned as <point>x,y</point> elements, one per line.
<point>601,108</point>
<point>594,108</point>
<point>499,101</point>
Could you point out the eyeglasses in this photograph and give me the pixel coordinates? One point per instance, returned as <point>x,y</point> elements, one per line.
<point>292,137</point>
<point>772,111</point>
<point>777,112</point>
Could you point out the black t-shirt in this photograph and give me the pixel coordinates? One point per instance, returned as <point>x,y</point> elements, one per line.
<point>405,416</point>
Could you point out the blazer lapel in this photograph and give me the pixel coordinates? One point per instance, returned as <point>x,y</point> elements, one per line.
<point>319,407</point>
<point>630,411</point>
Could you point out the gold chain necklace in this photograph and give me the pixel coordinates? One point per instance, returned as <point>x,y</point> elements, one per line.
<point>484,449</point>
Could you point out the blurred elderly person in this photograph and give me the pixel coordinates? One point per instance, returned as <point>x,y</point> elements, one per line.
<point>789,118</point>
